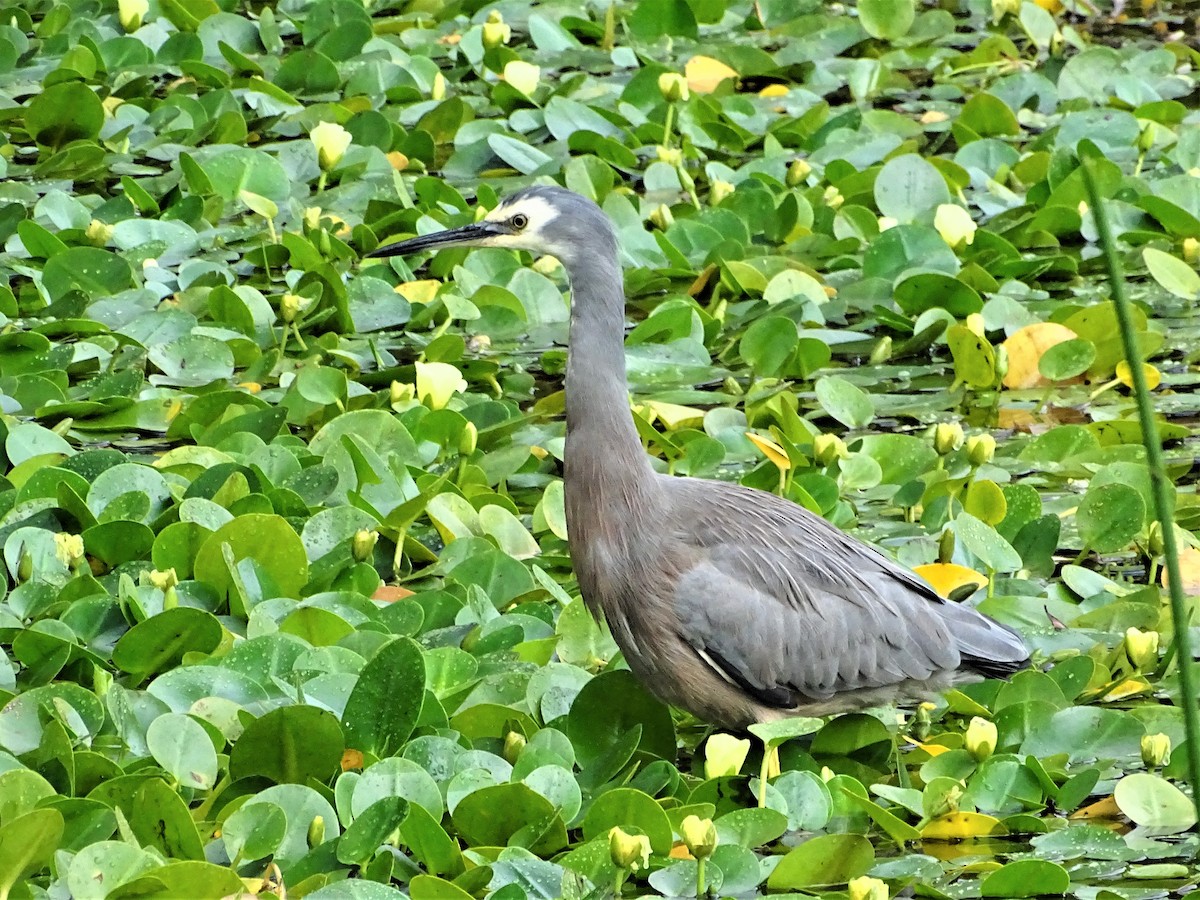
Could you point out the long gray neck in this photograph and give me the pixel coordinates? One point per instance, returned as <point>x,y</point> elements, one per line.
<point>605,461</point>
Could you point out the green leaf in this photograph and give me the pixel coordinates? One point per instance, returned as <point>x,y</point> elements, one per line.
<point>27,844</point>
<point>1172,273</point>
<point>289,744</point>
<point>64,112</point>
<point>887,19</point>
<point>370,829</point>
<point>267,539</point>
<point>827,859</point>
<point>986,544</point>
<point>159,642</point>
<point>1110,516</point>
<point>384,706</point>
<point>1153,802</point>
<point>180,745</point>
<point>1067,359</point>
<point>845,401</point>
<point>909,188</point>
<point>1026,878</point>
<point>974,356</point>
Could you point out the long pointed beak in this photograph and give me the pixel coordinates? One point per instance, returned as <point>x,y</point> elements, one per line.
<point>464,236</point>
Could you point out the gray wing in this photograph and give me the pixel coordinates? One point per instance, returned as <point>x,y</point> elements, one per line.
<point>789,607</point>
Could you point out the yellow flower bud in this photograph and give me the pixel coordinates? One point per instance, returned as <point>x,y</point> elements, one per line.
<point>886,222</point>
<point>718,191</point>
<point>661,217</point>
<point>437,90</point>
<point>362,545</point>
<point>629,852</point>
<point>797,173</point>
<point>401,394</point>
<point>946,546</point>
<point>980,449</point>
<point>1191,250</point>
<point>312,217</point>
<point>1155,543</point>
<point>673,86</point>
<point>975,324</point>
<point>882,351</point>
<point>331,141</point>
<point>866,888</point>
<point>1141,647</point>
<point>25,565</point>
<point>495,31</point>
<point>68,548</point>
<point>981,738</point>
<point>1146,137</point>
<point>833,197</point>
<point>954,224</point>
<point>1156,750</point>
<point>98,233</point>
<point>724,755</point>
<point>130,13</point>
<point>699,836</point>
<point>514,743</point>
<point>468,440</point>
<point>289,307</point>
<point>316,831</point>
<point>829,448</point>
<point>947,437</point>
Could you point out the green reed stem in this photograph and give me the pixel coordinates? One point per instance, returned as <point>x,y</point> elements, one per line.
<point>1159,481</point>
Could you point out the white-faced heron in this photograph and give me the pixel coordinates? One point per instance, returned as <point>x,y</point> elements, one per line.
<point>729,602</point>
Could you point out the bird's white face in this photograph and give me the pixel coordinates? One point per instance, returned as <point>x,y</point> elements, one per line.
<point>522,224</point>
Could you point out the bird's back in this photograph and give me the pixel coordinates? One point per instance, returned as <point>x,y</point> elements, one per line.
<point>798,614</point>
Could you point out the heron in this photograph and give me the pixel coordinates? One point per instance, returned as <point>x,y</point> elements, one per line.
<point>734,604</point>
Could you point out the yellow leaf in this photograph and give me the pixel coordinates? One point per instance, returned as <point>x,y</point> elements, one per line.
<point>398,160</point>
<point>946,578</point>
<point>1025,349</point>
<point>770,450</point>
<point>1101,809</point>
<point>423,291</point>
<point>959,825</point>
<point>704,74</point>
<point>1189,571</point>
<point>675,416</point>
<point>1015,419</point>
<point>1131,687</point>
<point>1125,375</point>
<point>1051,6</point>
<point>931,749</point>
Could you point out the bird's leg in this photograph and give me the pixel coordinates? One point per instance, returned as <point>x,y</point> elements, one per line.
<point>902,778</point>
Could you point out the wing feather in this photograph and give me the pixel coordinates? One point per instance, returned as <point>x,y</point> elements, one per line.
<point>784,604</point>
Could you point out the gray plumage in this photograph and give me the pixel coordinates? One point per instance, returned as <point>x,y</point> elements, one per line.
<point>729,602</point>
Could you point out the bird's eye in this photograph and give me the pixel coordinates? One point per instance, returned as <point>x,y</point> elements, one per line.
<point>519,221</point>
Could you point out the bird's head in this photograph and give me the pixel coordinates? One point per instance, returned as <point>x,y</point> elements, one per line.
<point>542,220</point>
